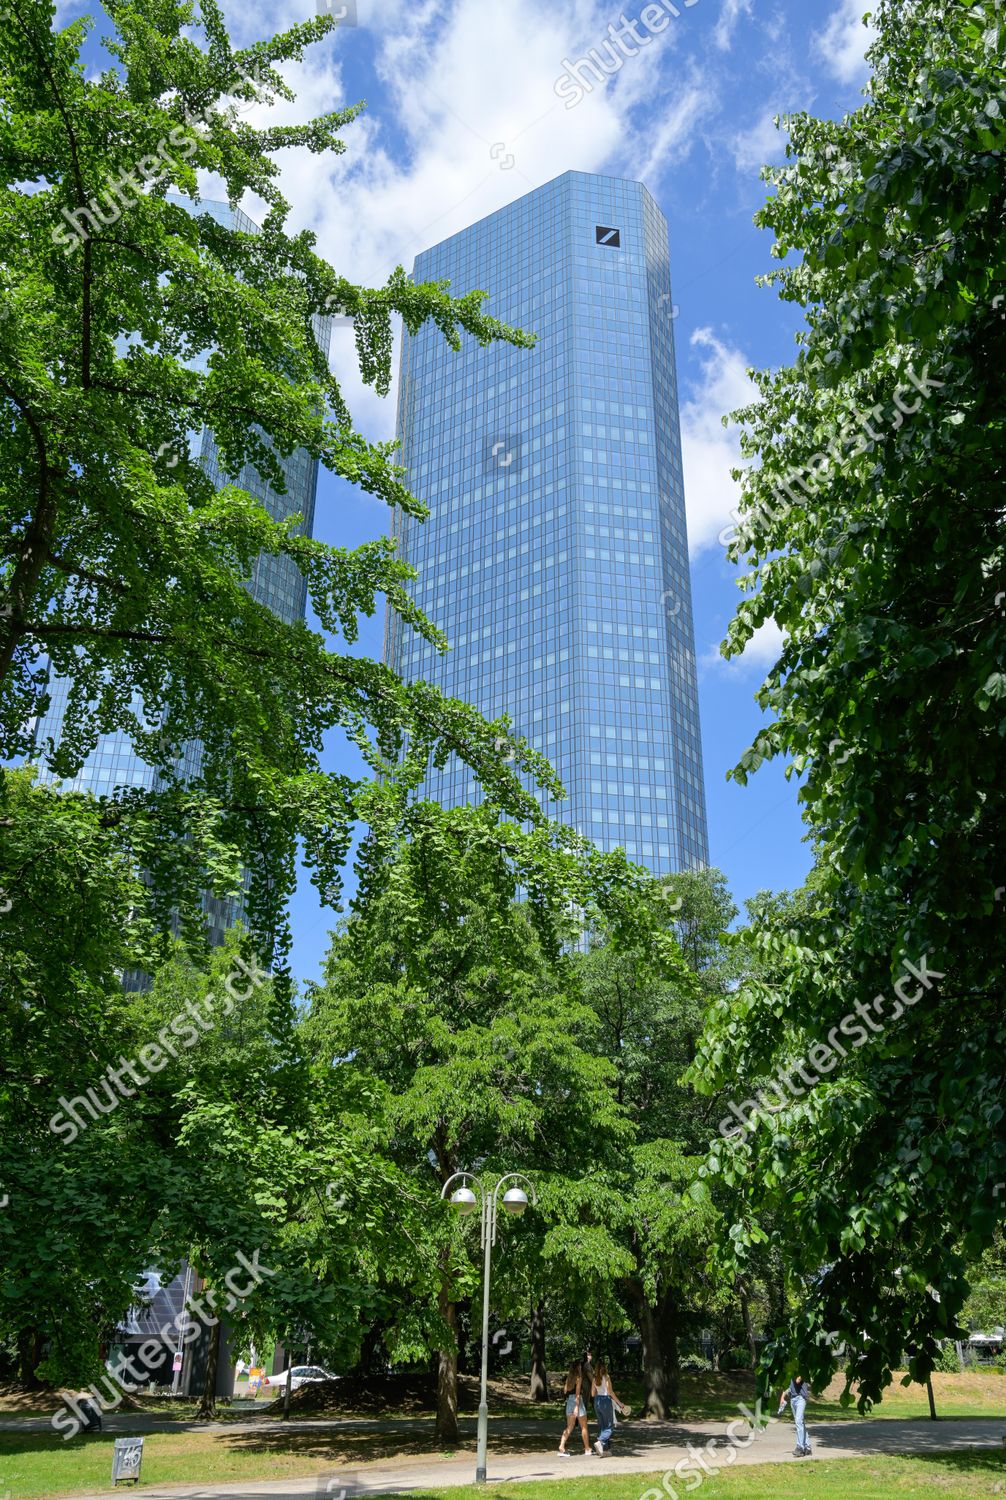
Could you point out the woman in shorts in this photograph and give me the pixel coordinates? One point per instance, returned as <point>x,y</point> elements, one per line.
<point>576,1410</point>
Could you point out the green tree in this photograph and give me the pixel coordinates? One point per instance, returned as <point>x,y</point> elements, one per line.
<point>461,1000</point>
<point>873,523</point>
<point>985,1308</point>
<point>128,324</point>
<point>654,1231</point>
<point>79,1202</point>
<point>140,1128</point>
<point>268,1158</point>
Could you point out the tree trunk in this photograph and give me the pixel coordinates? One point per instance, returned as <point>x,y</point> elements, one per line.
<point>370,1346</point>
<point>654,1376</point>
<point>207,1409</point>
<point>778,1292</point>
<point>539,1369</point>
<point>29,1356</point>
<point>742,1292</point>
<point>461,1309</point>
<point>446,1426</point>
<point>668,1330</point>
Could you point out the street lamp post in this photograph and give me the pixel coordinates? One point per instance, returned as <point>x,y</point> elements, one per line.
<point>515,1200</point>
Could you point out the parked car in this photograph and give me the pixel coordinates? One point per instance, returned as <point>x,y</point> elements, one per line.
<point>300,1375</point>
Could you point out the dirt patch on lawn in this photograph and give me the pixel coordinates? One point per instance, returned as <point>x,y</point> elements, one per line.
<point>407,1395</point>
<point>966,1394</point>
<point>14,1399</point>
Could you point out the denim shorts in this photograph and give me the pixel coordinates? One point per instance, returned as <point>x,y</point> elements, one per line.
<point>571,1406</point>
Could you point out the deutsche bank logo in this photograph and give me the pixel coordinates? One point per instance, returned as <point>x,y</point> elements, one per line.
<point>603,235</point>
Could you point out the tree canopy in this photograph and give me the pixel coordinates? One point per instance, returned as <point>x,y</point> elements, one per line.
<point>453,991</point>
<point>872,521</point>
<point>129,323</point>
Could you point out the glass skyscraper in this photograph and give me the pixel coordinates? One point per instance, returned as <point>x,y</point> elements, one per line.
<point>555,555</point>
<point>275,581</point>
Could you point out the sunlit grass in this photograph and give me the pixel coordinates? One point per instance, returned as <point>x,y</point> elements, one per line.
<point>950,1476</point>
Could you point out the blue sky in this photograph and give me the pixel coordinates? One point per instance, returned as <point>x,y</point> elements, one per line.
<point>463,115</point>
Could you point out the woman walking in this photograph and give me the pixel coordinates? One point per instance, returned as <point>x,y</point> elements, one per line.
<point>605,1401</point>
<point>796,1394</point>
<point>576,1411</point>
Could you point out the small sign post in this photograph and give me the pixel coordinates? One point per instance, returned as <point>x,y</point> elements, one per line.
<point>127,1456</point>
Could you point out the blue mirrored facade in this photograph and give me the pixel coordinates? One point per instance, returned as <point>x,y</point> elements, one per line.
<point>555,555</point>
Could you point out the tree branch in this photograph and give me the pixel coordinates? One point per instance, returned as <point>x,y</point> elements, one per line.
<point>75,571</point>
<point>27,571</point>
<point>78,180</point>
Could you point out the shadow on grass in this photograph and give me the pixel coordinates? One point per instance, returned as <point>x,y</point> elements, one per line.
<point>715,1395</point>
<point>984,1461</point>
<point>632,1439</point>
<point>910,1439</point>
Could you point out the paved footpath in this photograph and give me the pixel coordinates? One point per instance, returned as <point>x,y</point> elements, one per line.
<point>642,1448</point>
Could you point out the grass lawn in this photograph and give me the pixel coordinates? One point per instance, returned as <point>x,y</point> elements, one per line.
<point>971,1394</point>
<point>34,1466</point>
<point>18,1403</point>
<point>702,1396</point>
<point>42,1467</point>
<point>948,1476</point>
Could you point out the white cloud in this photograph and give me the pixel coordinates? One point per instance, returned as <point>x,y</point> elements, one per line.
<point>842,44</point>
<point>761,652</point>
<point>475,123</point>
<point>709,450</point>
<point>674,134</point>
<point>765,646</point>
<point>762,142</point>
<point>730,14</point>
